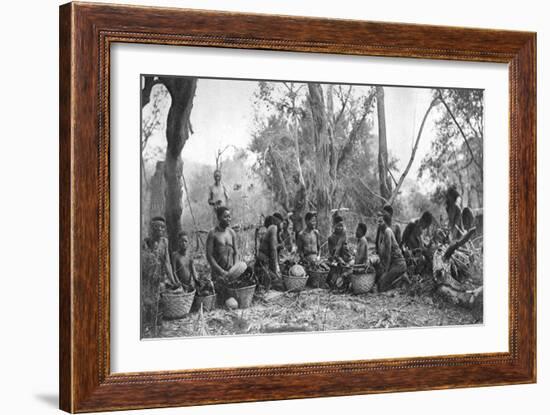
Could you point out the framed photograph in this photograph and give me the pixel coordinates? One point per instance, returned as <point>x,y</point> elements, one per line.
<point>258,207</point>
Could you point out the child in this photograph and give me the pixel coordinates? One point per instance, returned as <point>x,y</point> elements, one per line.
<point>339,252</point>
<point>184,269</point>
<point>338,242</point>
<point>362,253</point>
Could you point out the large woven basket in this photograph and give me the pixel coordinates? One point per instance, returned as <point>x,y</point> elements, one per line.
<point>317,279</point>
<point>362,283</point>
<point>176,305</point>
<point>208,303</point>
<point>295,283</point>
<point>242,295</point>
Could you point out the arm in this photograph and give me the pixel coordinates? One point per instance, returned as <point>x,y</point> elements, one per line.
<point>210,257</point>
<point>168,266</point>
<point>318,239</point>
<point>299,244</point>
<point>330,245</point>
<point>418,237</point>
<point>273,254</point>
<point>387,249</point>
<point>192,271</point>
<point>210,196</point>
<point>406,236</point>
<point>398,234</point>
<point>360,256</point>
<point>225,195</point>
<point>234,242</point>
<point>376,240</point>
<point>174,264</point>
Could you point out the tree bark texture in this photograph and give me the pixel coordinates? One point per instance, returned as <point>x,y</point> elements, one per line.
<point>322,157</point>
<point>383,176</point>
<point>178,129</point>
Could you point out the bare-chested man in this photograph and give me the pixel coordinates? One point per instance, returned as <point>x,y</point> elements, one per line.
<point>308,241</point>
<point>221,249</point>
<point>183,266</point>
<point>396,229</point>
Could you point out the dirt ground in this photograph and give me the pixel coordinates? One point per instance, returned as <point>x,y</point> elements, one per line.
<point>321,310</point>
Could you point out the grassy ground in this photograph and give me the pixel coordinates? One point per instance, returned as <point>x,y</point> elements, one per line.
<point>320,310</point>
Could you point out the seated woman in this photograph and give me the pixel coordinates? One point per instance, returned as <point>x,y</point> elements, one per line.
<point>339,253</point>
<point>392,263</point>
<point>338,242</point>
<point>412,235</point>
<point>267,267</point>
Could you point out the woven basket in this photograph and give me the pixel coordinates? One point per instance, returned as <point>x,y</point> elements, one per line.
<point>295,283</point>
<point>208,303</point>
<point>318,279</point>
<point>176,305</point>
<point>242,295</point>
<point>362,283</point>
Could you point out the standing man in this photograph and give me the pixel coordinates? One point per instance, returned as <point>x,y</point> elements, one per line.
<point>217,194</point>
<point>308,241</point>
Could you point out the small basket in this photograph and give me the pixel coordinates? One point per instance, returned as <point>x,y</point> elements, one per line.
<point>362,283</point>
<point>295,283</point>
<point>242,295</point>
<point>176,305</point>
<point>208,302</point>
<point>318,279</point>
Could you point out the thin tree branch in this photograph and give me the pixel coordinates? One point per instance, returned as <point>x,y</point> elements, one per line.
<point>459,129</point>
<point>411,159</point>
<point>366,186</point>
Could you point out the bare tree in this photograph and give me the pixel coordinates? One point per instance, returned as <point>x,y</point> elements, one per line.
<point>178,130</point>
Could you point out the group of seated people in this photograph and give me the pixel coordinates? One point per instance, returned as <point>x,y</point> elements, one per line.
<point>222,250</point>
<point>389,245</point>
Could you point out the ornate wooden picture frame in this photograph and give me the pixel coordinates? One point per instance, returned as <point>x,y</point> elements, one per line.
<point>87,32</point>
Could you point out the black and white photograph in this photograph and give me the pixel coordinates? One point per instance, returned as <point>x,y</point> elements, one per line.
<point>293,206</point>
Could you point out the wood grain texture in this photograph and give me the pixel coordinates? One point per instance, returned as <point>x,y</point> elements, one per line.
<point>86,33</point>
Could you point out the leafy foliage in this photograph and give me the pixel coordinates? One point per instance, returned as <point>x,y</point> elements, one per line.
<point>286,120</point>
<point>456,158</point>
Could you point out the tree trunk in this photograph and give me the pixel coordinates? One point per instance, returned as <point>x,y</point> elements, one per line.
<point>383,176</point>
<point>178,129</point>
<point>322,157</point>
